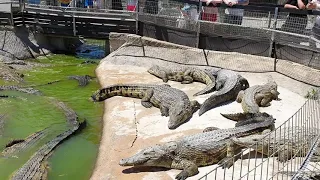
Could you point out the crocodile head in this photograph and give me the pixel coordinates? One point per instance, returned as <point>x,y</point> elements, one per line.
<point>158,155</point>
<point>180,114</point>
<point>156,71</point>
<point>244,83</point>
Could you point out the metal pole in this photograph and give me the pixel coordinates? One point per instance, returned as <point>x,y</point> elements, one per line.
<point>74,25</point>
<point>198,25</point>
<point>12,23</point>
<point>137,17</point>
<point>273,33</point>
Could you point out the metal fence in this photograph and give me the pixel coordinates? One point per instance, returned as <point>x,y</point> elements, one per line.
<point>259,32</point>
<point>295,143</point>
<point>269,32</point>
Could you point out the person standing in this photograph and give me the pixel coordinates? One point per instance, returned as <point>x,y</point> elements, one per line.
<point>234,15</point>
<point>210,13</point>
<point>295,23</point>
<point>88,3</point>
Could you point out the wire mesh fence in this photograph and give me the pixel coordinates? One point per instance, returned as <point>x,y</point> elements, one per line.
<point>288,152</point>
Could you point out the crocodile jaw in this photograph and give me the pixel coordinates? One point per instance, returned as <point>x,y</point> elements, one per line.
<point>181,114</point>
<point>152,156</point>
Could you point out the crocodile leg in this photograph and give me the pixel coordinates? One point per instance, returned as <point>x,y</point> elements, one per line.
<point>207,129</point>
<point>145,101</point>
<point>228,161</point>
<point>265,102</point>
<point>240,96</point>
<point>286,153</point>
<point>187,77</point>
<point>163,75</point>
<point>189,168</point>
<point>275,94</point>
<point>187,80</point>
<point>164,111</point>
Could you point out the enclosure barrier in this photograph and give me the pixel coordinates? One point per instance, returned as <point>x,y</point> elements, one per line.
<point>298,137</point>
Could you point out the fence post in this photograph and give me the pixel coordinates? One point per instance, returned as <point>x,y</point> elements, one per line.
<point>272,44</point>
<point>11,14</point>
<point>74,25</point>
<point>137,17</point>
<point>198,25</point>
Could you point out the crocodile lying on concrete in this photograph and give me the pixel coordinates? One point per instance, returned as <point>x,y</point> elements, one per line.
<point>285,143</point>
<point>196,150</point>
<point>172,102</point>
<point>185,75</point>
<point>253,97</point>
<point>36,166</point>
<point>82,80</point>
<point>246,118</point>
<point>229,84</point>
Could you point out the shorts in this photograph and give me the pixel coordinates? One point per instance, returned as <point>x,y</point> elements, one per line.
<point>88,3</point>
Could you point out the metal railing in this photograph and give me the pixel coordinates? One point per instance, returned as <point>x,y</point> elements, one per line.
<point>296,143</point>
<point>270,25</point>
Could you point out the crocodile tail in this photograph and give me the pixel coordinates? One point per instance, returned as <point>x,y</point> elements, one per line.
<point>214,101</point>
<point>236,116</point>
<point>208,89</point>
<point>119,90</point>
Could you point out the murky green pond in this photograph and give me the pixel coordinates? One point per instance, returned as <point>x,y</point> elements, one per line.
<point>27,114</point>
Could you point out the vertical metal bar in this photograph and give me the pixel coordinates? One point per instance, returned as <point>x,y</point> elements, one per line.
<point>273,32</point>
<point>74,25</point>
<point>137,17</point>
<point>11,14</point>
<point>198,25</point>
<point>269,18</point>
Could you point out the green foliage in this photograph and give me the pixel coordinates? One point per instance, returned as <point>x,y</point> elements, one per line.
<point>314,93</point>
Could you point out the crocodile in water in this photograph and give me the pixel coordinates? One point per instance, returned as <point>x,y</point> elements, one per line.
<point>185,75</point>
<point>229,84</point>
<point>196,150</point>
<point>36,166</point>
<point>172,102</point>
<point>16,146</point>
<point>82,80</point>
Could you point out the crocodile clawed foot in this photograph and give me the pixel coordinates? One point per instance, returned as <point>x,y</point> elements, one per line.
<point>315,158</point>
<point>226,163</point>
<point>182,175</point>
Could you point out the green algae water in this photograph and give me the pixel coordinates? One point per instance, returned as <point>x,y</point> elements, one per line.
<point>26,114</point>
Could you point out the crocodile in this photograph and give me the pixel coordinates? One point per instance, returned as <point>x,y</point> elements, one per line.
<point>185,75</point>
<point>228,84</point>
<point>258,95</point>
<point>82,80</point>
<point>172,102</point>
<point>17,145</point>
<point>27,90</point>
<point>36,166</point>
<point>246,118</point>
<point>254,97</point>
<point>196,150</point>
<point>2,116</point>
<point>285,143</point>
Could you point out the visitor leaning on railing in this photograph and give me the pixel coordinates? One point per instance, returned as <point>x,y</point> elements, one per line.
<point>315,4</point>
<point>296,23</point>
<point>234,15</point>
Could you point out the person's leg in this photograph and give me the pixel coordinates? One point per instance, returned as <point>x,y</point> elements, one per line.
<point>227,18</point>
